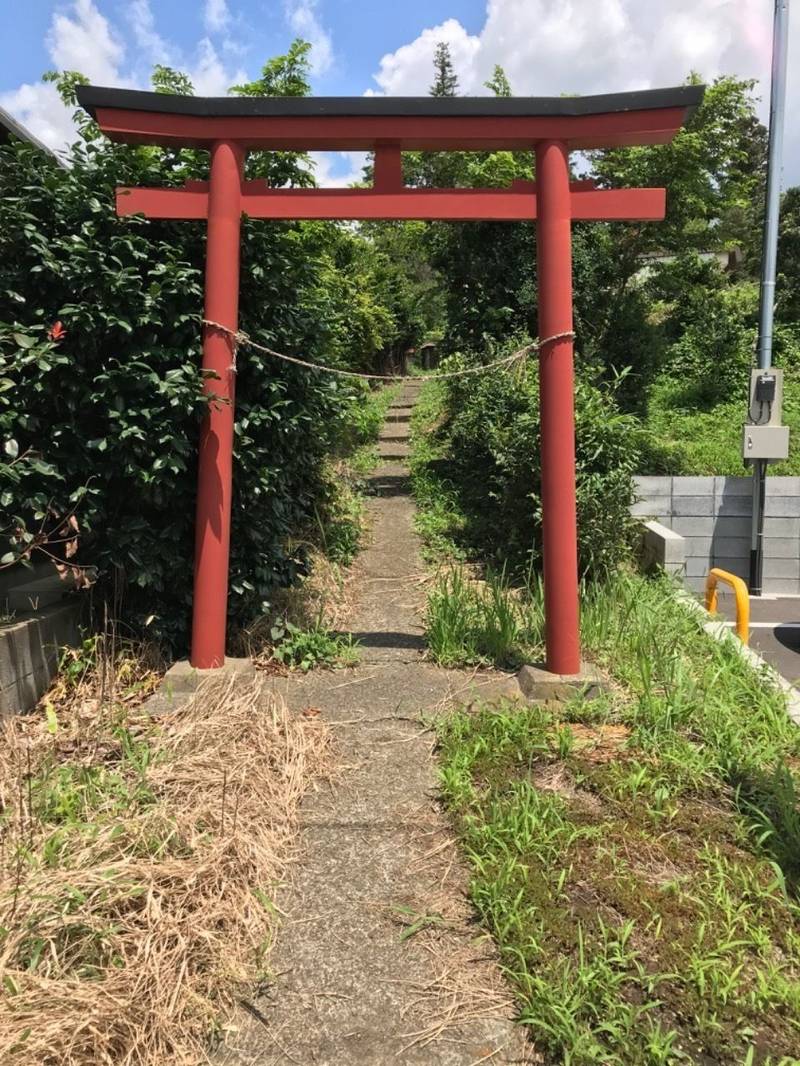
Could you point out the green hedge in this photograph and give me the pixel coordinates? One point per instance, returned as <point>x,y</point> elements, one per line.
<point>105,421</point>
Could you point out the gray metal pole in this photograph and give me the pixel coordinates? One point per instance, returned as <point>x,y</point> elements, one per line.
<point>777,104</point>
<point>780,43</point>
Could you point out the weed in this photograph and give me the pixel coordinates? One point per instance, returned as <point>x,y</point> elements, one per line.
<point>304,649</point>
<point>339,516</point>
<point>481,622</point>
<point>77,664</point>
<point>340,532</point>
<point>645,906</point>
<point>414,922</point>
<point>366,415</point>
<point>439,518</point>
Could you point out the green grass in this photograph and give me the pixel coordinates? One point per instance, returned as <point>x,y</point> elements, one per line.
<point>339,520</point>
<point>472,622</point>
<point>637,858</point>
<point>688,438</point>
<point>363,424</point>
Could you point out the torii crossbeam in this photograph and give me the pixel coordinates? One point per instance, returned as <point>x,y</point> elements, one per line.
<point>551,127</point>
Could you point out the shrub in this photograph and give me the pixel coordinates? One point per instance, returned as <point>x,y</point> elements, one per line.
<point>715,352</point>
<point>491,436</point>
<point>303,649</point>
<point>102,418</point>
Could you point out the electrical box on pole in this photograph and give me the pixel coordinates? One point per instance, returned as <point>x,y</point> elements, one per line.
<point>763,435</point>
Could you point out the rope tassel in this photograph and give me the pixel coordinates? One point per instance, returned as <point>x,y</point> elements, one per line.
<point>242,339</point>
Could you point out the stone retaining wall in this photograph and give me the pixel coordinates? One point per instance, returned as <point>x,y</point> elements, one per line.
<point>713,515</point>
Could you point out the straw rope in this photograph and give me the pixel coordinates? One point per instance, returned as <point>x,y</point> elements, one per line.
<point>241,339</point>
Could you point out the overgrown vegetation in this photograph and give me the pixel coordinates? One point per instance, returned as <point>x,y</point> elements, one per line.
<point>472,622</point>
<point>665,314</point>
<point>691,436</point>
<point>100,399</point>
<point>636,857</point>
<point>139,858</point>
<point>476,468</point>
<point>702,339</point>
<point>310,646</point>
<point>100,395</point>
<point>300,629</point>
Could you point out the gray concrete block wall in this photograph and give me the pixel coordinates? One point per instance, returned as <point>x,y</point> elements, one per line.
<point>29,651</point>
<point>713,515</point>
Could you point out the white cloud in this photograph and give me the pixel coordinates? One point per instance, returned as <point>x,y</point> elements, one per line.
<point>39,108</point>
<point>409,70</point>
<point>303,20</point>
<point>209,75</point>
<point>84,41</point>
<point>81,38</point>
<point>150,42</point>
<point>595,46</point>
<point>216,16</point>
<point>338,169</point>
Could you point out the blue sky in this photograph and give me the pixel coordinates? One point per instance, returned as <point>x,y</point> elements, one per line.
<point>362,32</point>
<point>384,46</point>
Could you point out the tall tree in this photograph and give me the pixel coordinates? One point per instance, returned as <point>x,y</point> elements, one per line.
<point>284,75</point>
<point>498,83</point>
<point>713,169</point>
<point>445,82</point>
<point>171,82</point>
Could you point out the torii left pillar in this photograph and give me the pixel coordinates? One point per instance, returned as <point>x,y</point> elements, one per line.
<point>215,460</point>
<point>557,408</point>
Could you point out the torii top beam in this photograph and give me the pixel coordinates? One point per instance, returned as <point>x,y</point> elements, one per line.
<point>388,126</point>
<point>363,123</point>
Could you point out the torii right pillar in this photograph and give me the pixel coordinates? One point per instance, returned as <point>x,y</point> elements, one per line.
<point>557,408</point>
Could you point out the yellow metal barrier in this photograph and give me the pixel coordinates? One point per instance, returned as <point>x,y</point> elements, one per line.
<point>742,599</point>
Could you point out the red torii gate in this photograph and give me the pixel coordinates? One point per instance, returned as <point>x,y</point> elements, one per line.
<point>551,126</point>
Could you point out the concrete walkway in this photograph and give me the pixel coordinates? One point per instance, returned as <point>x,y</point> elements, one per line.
<point>378,958</point>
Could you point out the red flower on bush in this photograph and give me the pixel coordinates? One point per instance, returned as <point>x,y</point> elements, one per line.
<point>57,332</point>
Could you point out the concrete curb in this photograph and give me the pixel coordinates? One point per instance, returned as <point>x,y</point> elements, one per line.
<point>537,684</point>
<point>663,547</point>
<point>182,681</point>
<point>722,633</point>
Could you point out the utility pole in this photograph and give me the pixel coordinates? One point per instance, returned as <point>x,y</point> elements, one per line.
<point>780,41</point>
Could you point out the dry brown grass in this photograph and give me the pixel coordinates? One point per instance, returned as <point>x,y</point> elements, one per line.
<point>138,862</point>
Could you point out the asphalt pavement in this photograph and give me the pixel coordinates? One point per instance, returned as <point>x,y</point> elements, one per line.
<point>774,630</point>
